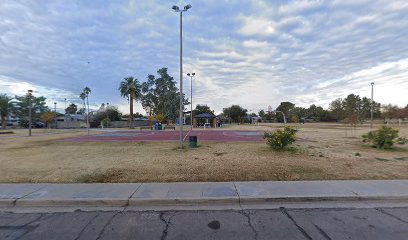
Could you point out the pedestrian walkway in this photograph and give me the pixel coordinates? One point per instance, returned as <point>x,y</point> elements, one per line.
<point>223,195</point>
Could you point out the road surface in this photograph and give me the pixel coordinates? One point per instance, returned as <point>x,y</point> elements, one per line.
<point>344,223</point>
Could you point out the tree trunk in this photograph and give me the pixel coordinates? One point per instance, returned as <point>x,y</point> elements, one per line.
<point>3,122</point>
<point>131,112</point>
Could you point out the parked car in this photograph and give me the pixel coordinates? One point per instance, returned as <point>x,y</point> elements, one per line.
<point>38,125</point>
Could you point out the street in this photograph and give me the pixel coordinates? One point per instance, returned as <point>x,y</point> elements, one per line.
<point>342,223</point>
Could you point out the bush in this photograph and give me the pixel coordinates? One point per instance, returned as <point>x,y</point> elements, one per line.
<point>280,139</point>
<point>383,138</point>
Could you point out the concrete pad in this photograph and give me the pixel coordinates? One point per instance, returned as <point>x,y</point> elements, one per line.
<point>80,195</point>
<point>293,191</point>
<point>9,193</point>
<point>184,193</point>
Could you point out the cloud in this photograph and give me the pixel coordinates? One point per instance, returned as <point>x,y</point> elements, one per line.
<point>253,53</point>
<point>257,26</point>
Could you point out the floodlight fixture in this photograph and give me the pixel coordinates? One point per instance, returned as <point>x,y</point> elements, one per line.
<point>187,7</point>
<point>175,8</point>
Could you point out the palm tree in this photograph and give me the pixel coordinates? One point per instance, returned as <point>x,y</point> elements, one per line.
<point>130,89</point>
<point>86,93</point>
<point>83,97</point>
<point>5,109</point>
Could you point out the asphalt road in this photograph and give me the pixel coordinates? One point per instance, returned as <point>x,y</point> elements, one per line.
<point>374,223</point>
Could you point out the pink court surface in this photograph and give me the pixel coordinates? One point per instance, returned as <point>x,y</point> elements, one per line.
<point>169,136</point>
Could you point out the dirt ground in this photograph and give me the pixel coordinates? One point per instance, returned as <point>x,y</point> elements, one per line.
<point>325,151</point>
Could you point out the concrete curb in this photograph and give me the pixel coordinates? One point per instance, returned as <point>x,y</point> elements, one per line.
<point>228,195</point>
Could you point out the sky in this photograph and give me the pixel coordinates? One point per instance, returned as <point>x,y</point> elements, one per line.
<point>254,53</point>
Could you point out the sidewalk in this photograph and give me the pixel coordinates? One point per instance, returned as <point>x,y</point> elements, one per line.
<point>225,195</point>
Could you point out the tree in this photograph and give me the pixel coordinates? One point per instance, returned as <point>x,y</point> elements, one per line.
<point>392,111</point>
<point>47,117</point>
<point>85,94</point>
<point>111,113</point>
<point>161,96</point>
<point>261,114</point>
<point>6,108</point>
<point>130,89</point>
<point>71,109</point>
<point>201,108</point>
<point>235,112</point>
<point>286,108</point>
<point>83,97</point>
<point>337,110</point>
<point>21,108</point>
<point>352,105</point>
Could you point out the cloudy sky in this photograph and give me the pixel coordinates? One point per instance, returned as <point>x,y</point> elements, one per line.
<point>254,53</point>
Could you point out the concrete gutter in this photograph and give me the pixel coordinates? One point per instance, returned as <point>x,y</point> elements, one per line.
<point>223,195</point>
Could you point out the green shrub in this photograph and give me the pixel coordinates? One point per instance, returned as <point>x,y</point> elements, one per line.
<point>280,139</point>
<point>383,138</point>
<point>402,140</point>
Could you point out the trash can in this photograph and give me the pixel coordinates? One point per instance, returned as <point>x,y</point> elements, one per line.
<point>193,141</point>
<point>159,127</point>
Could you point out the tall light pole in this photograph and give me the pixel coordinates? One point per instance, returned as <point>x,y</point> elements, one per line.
<point>191,75</point>
<point>55,114</point>
<point>177,9</point>
<point>29,111</point>
<point>107,115</point>
<point>372,103</point>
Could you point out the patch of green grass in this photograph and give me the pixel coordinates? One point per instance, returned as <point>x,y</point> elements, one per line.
<point>401,158</point>
<point>357,154</point>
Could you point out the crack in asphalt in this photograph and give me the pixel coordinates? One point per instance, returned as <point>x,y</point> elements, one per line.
<point>86,225</point>
<point>248,217</point>
<point>31,228</point>
<point>166,224</point>
<point>107,223</point>
<point>391,215</point>
<point>322,232</point>
<point>245,213</point>
<point>303,231</point>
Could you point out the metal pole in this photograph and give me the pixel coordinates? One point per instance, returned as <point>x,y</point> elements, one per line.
<point>372,103</point>
<point>29,112</point>
<point>181,79</point>
<point>55,114</point>
<point>107,115</point>
<point>87,114</point>
<point>191,105</point>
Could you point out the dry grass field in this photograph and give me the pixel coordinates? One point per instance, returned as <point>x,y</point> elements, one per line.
<point>326,151</point>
